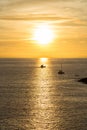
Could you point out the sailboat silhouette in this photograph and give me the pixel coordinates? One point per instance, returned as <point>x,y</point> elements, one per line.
<point>61,71</point>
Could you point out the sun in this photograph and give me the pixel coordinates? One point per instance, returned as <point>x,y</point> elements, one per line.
<point>43,34</point>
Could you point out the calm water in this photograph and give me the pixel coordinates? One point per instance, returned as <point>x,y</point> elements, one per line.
<point>32,98</point>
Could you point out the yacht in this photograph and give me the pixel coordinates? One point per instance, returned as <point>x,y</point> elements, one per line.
<point>42,66</point>
<point>61,71</point>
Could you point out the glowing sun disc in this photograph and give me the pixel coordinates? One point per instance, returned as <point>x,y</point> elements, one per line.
<point>43,34</point>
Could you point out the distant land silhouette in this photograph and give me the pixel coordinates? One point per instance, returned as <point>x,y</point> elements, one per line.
<point>83,80</point>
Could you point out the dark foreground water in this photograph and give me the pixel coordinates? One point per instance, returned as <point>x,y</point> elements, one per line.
<point>32,98</point>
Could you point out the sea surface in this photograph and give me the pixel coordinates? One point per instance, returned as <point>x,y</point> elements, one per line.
<point>34,98</point>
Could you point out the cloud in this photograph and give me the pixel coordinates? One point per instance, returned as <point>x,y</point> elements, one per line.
<point>9,4</point>
<point>39,6</point>
<point>32,10</point>
<point>63,21</point>
<point>75,23</point>
<point>34,17</point>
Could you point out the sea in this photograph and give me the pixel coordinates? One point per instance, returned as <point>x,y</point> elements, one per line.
<point>35,98</point>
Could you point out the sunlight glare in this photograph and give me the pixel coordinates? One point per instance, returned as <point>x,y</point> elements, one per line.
<point>44,59</point>
<point>43,34</point>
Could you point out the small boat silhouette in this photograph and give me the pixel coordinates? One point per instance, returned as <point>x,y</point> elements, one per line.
<point>61,71</point>
<point>43,66</point>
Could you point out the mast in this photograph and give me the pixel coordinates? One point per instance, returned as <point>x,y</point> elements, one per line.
<point>61,66</point>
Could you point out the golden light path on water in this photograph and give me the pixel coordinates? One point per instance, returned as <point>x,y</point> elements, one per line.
<point>43,60</point>
<point>45,112</point>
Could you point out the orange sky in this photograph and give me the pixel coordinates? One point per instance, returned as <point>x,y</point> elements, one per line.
<point>67,18</point>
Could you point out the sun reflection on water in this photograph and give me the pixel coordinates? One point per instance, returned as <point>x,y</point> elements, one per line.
<point>43,60</point>
<point>43,98</point>
<point>44,109</point>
